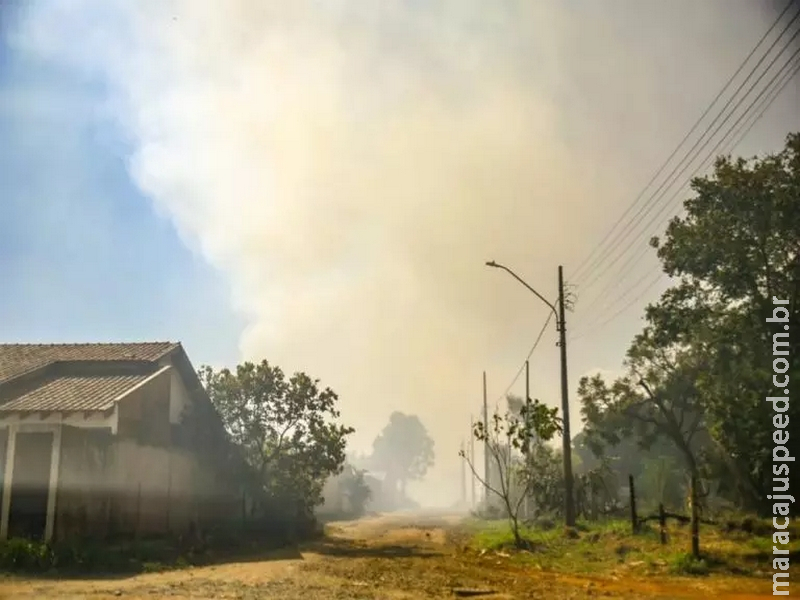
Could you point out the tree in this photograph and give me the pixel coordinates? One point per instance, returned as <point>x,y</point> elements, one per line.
<point>737,248</point>
<point>403,450</point>
<point>657,398</point>
<point>356,490</point>
<point>508,439</point>
<point>285,429</point>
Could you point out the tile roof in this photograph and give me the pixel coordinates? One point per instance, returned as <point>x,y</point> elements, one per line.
<point>73,393</point>
<point>17,359</point>
<point>73,377</point>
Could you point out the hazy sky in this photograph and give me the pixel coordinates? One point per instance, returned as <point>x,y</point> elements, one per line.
<point>320,183</point>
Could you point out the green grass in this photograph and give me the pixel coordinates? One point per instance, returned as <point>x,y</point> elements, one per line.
<point>610,547</point>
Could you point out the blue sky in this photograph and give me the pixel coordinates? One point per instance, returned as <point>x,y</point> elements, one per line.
<point>83,255</point>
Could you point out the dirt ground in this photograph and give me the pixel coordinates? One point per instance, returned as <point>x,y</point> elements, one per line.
<point>387,557</point>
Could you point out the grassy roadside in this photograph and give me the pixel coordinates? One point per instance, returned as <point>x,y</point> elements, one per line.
<point>609,548</point>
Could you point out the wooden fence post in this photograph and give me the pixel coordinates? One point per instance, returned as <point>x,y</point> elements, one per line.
<point>634,518</point>
<point>695,518</point>
<point>662,523</point>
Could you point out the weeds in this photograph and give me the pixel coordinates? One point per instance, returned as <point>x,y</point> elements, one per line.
<point>611,547</point>
<point>686,564</point>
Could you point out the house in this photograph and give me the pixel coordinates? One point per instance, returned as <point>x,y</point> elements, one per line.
<point>95,441</point>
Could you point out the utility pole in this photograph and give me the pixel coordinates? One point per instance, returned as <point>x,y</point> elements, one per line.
<point>463,475</point>
<point>485,444</point>
<point>528,444</point>
<point>569,500</point>
<point>472,458</point>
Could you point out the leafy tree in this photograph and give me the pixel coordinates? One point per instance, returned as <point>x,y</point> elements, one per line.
<point>357,491</point>
<point>403,450</point>
<point>545,474</point>
<point>657,398</point>
<point>737,248</point>
<point>508,440</point>
<point>285,429</point>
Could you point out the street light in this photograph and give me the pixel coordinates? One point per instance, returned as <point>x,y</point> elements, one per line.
<point>492,263</point>
<point>569,506</point>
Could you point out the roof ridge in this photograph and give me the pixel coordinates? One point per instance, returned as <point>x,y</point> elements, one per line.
<point>20,359</point>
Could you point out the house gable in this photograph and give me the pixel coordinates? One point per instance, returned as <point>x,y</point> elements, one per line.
<point>69,378</point>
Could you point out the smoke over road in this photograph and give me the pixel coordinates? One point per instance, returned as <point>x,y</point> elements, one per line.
<point>349,167</point>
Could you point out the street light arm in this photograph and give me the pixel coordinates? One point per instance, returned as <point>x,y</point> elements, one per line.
<point>492,263</point>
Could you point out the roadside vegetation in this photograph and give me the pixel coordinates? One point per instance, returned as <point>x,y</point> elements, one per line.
<point>740,547</point>
<point>683,435</point>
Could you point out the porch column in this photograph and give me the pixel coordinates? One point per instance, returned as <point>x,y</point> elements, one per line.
<point>52,491</point>
<point>8,478</point>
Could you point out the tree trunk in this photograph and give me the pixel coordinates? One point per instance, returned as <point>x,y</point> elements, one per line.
<point>695,517</point>
<point>518,543</point>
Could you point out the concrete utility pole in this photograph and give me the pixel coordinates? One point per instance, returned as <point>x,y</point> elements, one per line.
<point>528,444</point>
<point>463,475</point>
<point>485,443</point>
<point>472,459</point>
<point>569,501</point>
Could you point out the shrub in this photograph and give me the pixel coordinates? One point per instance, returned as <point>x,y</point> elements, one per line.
<point>25,555</point>
<point>686,564</point>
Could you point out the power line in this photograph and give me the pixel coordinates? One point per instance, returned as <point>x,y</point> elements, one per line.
<point>741,133</point>
<point>638,297</point>
<point>635,258</point>
<point>680,168</point>
<point>586,262</point>
<point>620,297</point>
<point>767,104</point>
<point>527,358</point>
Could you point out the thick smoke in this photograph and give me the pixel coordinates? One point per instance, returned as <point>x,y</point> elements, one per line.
<point>350,166</point>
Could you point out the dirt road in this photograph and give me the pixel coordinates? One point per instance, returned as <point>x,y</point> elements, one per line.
<point>390,557</point>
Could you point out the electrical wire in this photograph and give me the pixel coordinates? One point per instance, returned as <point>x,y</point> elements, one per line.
<point>527,358</point>
<point>586,262</point>
<point>740,134</point>
<point>623,309</point>
<point>681,167</point>
<point>635,258</point>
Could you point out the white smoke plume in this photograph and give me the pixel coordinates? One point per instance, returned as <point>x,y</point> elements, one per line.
<point>350,166</point>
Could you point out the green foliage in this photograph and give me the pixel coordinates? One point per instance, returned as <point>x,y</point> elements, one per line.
<point>356,490</point>
<point>519,463</point>
<point>91,556</point>
<point>25,555</point>
<point>661,482</point>
<point>686,564</point>
<point>545,472</point>
<point>657,398</point>
<point>403,450</point>
<point>608,547</point>
<point>286,432</point>
<point>521,425</point>
<point>736,248</point>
